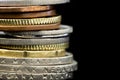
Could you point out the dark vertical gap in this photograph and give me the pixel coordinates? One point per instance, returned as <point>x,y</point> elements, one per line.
<point>71,16</point>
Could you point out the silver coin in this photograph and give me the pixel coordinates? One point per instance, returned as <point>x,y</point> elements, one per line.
<point>15,41</point>
<point>29,76</point>
<point>39,69</point>
<point>64,29</point>
<point>30,2</point>
<point>37,36</point>
<point>38,61</point>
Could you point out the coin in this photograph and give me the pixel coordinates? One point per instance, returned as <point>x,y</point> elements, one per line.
<point>31,2</point>
<point>4,9</point>
<point>47,47</point>
<point>29,27</point>
<point>37,36</point>
<point>64,29</point>
<point>33,21</point>
<point>29,76</point>
<point>27,15</point>
<point>67,59</point>
<point>31,54</point>
<point>45,41</point>
<point>39,69</point>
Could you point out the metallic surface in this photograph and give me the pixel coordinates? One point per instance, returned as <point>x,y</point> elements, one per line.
<point>29,27</point>
<point>64,29</point>
<point>29,76</point>
<point>34,21</point>
<point>27,15</point>
<point>38,61</point>
<point>31,54</point>
<point>39,69</point>
<point>15,41</point>
<point>47,47</point>
<point>30,2</point>
<point>37,36</point>
<point>17,9</point>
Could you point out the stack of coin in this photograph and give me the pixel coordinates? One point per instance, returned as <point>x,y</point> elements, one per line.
<point>33,43</point>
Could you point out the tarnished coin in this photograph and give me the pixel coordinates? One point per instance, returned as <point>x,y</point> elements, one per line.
<point>29,27</point>
<point>4,9</point>
<point>27,15</point>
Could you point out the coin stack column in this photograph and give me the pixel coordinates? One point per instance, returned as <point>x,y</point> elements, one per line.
<point>33,42</point>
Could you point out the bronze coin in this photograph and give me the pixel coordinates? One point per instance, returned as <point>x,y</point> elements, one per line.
<point>25,9</point>
<point>29,27</point>
<point>27,15</point>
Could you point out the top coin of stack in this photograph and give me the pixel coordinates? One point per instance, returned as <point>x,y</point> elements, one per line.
<point>33,45</point>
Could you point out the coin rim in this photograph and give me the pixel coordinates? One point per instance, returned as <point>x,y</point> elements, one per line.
<point>63,29</point>
<point>42,61</point>
<point>39,69</point>
<point>12,9</point>
<point>28,15</point>
<point>30,2</point>
<point>15,41</point>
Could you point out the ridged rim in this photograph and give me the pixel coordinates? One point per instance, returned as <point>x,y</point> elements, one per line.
<point>15,41</point>
<point>36,47</point>
<point>34,21</point>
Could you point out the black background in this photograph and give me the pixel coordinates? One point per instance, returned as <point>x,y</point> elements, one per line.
<point>71,16</point>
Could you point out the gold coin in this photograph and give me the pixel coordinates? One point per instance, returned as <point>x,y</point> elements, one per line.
<point>33,21</point>
<point>36,47</point>
<point>31,54</point>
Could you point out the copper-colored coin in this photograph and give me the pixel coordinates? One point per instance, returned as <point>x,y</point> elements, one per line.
<point>29,27</point>
<point>25,9</point>
<point>27,15</point>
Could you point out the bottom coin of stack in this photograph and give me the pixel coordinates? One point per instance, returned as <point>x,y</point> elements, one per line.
<point>36,55</point>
